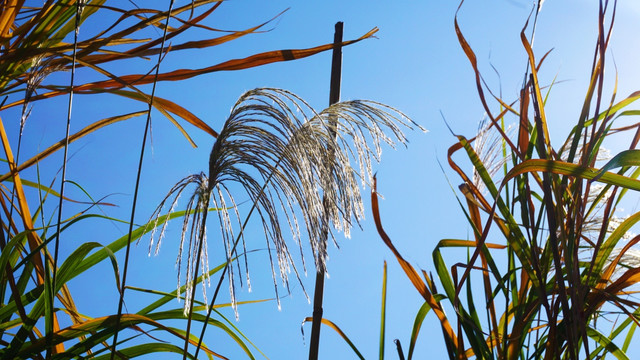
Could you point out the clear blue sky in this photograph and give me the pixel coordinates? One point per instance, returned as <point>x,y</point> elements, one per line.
<point>415,65</point>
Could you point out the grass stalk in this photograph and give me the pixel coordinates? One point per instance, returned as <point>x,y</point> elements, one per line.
<point>137,185</point>
<point>51,328</point>
<point>227,264</point>
<point>201,241</point>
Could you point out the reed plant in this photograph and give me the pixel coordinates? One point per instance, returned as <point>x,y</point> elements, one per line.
<point>39,44</point>
<point>554,265</point>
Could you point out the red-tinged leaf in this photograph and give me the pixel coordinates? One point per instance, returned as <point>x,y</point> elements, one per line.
<point>160,103</point>
<point>236,64</point>
<point>163,105</point>
<point>596,299</point>
<point>474,64</point>
<point>413,275</point>
<point>147,50</point>
<point>613,265</point>
<point>523,130</point>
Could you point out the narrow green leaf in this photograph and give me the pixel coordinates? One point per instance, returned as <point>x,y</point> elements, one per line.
<point>564,168</point>
<point>417,324</point>
<point>12,250</point>
<point>146,349</point>
<point>625,158</point>
<point>629,337</point>
<point>610,243</point>
<point>383,316</point>
<point>601,339</point>
<point>121,242</point>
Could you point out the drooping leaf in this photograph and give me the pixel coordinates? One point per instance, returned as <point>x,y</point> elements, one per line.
<point>601,339</point>
<point>625,158</point>
<point>337,329</point>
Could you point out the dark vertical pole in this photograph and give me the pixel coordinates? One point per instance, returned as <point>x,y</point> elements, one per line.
<point>334,97</point>
<point>336,65</point>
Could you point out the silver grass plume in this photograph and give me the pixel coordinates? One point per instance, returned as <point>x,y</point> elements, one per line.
<point>489,147</point>
<point>40,68</point>
<point>286,157</point>
<point>192,228</point>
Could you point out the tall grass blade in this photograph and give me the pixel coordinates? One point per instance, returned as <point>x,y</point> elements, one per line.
<point>450,336</point>
<point>417,324</point>
<point>137,185</point>
<point>51,326</point>
<point>383,315</point>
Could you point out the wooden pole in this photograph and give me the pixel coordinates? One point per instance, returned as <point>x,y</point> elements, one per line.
<point>334,97</point>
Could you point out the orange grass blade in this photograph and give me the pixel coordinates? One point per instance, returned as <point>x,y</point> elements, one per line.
<point>606,276</point>
<point>536,88</point>
<point>164,104</point>
<point>236,64</point>
<point>33,239</point>
<point>337,329</point>
<point>467,243</point>
<point>611,242</point>
<point>9,10</point>
<point>474,64</point>
<point>146,50</point>
<point>476,220</point>
<point>410,271</point>
<point>161,104</point>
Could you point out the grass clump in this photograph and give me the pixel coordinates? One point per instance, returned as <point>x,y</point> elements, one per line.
<point>553,264</point>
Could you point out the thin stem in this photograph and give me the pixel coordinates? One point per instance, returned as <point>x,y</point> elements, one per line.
<point>226,267</point>
<point>195,278</point>
<point>64,176</point>
<point>135,193</point>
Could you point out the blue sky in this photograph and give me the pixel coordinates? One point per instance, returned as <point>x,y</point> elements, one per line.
<point>415,65</point>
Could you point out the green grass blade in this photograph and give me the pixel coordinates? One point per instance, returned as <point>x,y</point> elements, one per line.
<point>629,337</point>
<point>121,242</point>
<point>564,168</point>
<point>612,241</point>
<point>383,315</point>
<point>146,349</point>
<point>417,324</point>
<point>603,340</point>
<point>625,158</point>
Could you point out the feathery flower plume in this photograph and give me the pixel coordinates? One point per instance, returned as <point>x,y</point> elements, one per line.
<point>488,145</point>
<point>286,157</point>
